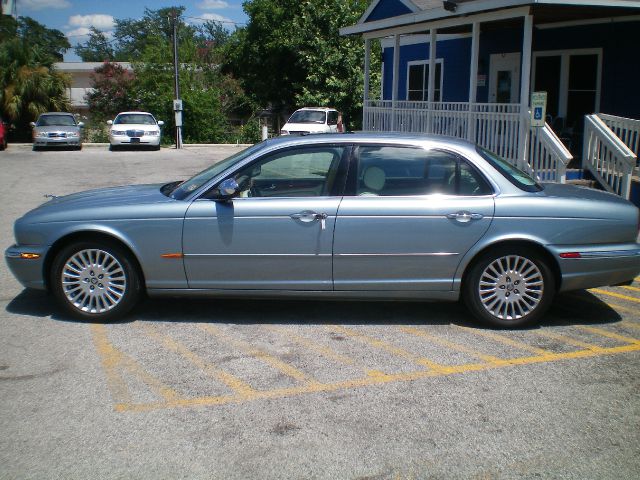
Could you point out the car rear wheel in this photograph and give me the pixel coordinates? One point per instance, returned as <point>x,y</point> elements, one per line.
<point>509,288</point>
<point>95,281</point>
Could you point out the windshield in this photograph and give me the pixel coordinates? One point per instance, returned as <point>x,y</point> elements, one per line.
<point>56,120</point>
<point>185,188</point>
<point>308,116</point>
<point>134,118</point>
<point>511,173</point>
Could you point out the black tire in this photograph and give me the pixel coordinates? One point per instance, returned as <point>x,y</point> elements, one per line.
<point>35,149</point>
<point>112,148</point>
<point>3,145</point>
<point>509,288</point>
<point>95,281</point>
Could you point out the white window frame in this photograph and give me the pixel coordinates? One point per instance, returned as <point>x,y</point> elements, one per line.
<point>425,77</point>
<point>565,57</point>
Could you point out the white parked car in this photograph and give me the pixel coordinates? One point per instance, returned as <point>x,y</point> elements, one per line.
<point>313,120</point>
<point>134,129</point>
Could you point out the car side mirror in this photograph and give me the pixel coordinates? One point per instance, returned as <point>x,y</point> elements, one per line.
<point>33,124</point>
<point>160,123</point>
<point>109,122</point>
<point>81,124</point>
<point>227,189</point>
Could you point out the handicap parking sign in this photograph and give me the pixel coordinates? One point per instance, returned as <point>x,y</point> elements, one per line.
<point>538,108</point>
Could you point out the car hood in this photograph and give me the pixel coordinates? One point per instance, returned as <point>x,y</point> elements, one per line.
<point>133,201</point>
<point>134,126</point>
<point>305,127</point>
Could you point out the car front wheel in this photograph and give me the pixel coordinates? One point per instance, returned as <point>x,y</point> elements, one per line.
<point>94,281</point>
<point>509,288</point>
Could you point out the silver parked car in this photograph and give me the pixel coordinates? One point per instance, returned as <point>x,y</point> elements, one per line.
<point>57,130</point>
<point>356,216</point>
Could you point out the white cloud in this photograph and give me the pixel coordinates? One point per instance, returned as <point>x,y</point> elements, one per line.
<point>212,4</point>
<point>215,17</point>
<point>42,4</point>
<point>98,20</point>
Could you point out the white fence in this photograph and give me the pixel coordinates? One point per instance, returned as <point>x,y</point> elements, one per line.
<point>494,126</point>
<point>605,155</point>
<point>626,129</point>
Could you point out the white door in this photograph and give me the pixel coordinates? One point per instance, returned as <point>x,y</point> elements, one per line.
<point>504,78</point>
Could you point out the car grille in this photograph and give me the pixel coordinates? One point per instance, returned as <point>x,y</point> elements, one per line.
<point>57,135</point>
<point>135,133</point>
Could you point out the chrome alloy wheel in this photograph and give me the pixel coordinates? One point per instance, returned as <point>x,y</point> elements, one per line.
<point>511,287</point>
<point>93,281</point>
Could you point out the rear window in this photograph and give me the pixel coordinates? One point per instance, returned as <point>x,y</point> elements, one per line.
<point>516,176</point>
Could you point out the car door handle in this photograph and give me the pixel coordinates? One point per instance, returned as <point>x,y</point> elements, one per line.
<point>464,216</point>
<point>308,217</point>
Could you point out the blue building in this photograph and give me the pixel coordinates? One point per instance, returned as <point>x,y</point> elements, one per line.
<point>467,68</point>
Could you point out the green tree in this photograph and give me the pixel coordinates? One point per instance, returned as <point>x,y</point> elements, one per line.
<point>112,91</point>
<point>291,54</point>
<point>29,85</point>
<point>96,49</point>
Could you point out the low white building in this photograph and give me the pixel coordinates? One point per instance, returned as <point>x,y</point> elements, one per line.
<point>81,81</point>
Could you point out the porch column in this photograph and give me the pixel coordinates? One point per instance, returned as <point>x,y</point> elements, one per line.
<point>473,80</point>
<point>523,137</point>
<point>432,79</point>
<point>396,74</point>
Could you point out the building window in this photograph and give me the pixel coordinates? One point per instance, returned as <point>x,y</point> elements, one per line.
<point>418,81</point>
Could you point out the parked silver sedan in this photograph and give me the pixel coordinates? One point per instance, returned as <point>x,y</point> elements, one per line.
<point>57,129</point>
<point>356,216</point>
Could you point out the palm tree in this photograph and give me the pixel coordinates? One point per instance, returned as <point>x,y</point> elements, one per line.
<point>28,87</point>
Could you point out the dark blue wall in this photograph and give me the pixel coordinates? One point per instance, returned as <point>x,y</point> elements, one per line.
<point>388,9</point>
<point>455,54</point>
<point>620,43</point>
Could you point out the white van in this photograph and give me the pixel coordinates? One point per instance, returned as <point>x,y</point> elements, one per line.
<point>313,120</point>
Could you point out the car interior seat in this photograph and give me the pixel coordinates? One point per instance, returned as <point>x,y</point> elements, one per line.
<point>373,181</point>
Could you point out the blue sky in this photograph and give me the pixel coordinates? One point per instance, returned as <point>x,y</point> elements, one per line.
<point>74,17</point>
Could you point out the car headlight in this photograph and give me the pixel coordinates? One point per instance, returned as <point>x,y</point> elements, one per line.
<point>42,134</point>
<point>284,132</point>
<point>152,133</point>
<point>73,134</point>
<point>117,133</point>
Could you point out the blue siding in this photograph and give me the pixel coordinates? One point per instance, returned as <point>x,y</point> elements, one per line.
<point>620,67</point>
<point>455,54</point>
<point>388,9</point>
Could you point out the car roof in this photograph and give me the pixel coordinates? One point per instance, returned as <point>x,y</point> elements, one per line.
<point>324,109</point>
<point>375,138</point>
<point>56,113</point>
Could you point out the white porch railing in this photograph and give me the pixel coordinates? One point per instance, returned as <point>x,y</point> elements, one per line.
<point>547,156</point>
<point>608,159</point>
<point>626,129</point>
<point>494,126</point>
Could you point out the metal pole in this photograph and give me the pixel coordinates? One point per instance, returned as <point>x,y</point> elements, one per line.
<point>176,76</point>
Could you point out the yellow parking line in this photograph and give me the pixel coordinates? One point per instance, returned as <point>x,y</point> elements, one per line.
<point>627,323</point>
<point>567,340</point>
<point>114,360</point>
<point>608,334</point>
<point>374,380</point>
<point>234,383</point>
<point>600,302</point>
<point>262,355</point>
<point>615,295</point>
<point>450,345</point>
<point>386,346</point>
<point>506,340</point>
<point>321,349</point>
<point>633,289</point>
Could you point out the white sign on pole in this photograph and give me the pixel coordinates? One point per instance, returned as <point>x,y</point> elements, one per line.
<point>538,109</point>
<point>177,105</point>
<point>178,119</point>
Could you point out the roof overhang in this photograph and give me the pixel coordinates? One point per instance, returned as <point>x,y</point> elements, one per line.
<point>466,13</point>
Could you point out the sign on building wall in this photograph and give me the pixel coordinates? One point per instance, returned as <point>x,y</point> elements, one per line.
<point>538,109</point>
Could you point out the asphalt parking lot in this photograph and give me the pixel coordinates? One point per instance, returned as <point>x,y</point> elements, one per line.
<point>234,389</point>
